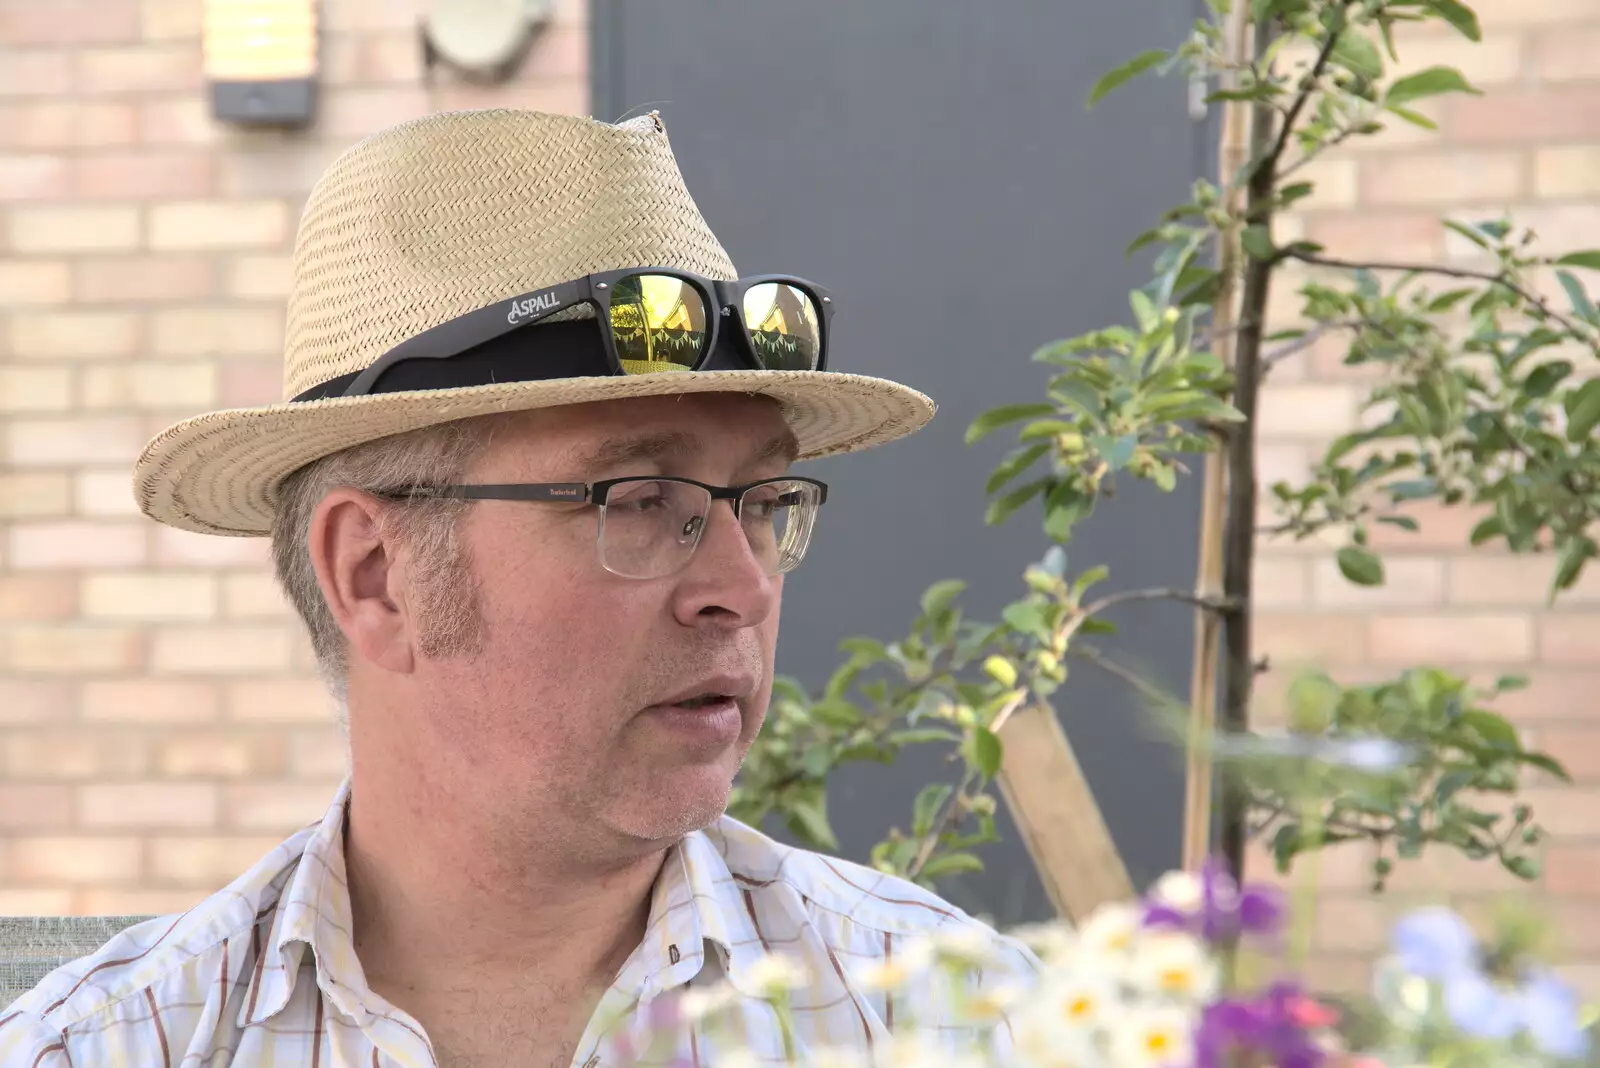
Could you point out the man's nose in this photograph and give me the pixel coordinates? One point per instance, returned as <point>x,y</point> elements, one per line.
<point>725,581</point>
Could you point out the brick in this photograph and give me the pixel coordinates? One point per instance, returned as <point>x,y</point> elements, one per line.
<point>71,23</point>
<point>145,279</point>
<point>104,494</point>
<point>281,806</point>
<point>356,113</point>
<point>34,700</point>
<point>1515,581</point>
<point>48,335</point>
<point>389,57</point>
<point>1407,582</point>
<point>142,175</point>
<point>182,547</point>
<point>155,595</point>
<point>1572,868</point>
<point>207,225</point>
<point>1552,696</point>
<point>1569,639</point>
<point>253,595</point>
<point>1280,582</point>
<point>257,277</point>
<point>72,650</point>
<point>1566,54</point>
<point>74,229</point>
<point>216,331</point>
<point>319,754</point>
<point>366,15</point>
<point>1374,236</point>
<point>1310,411</point>
<point>1439,526</point>
<point>229,755</point>
<point>35,389</point>
<point>38,597</point>
<point>148,804</point>
<point>1449,179</point>
<point>1537,116</point>
<point>1301,639</point>
<point>279,701</point>
<point>556,96</point>
<point>76,543</point>
<point>74,860</point>
<point>1566,171</point>
<point>151,386</point>
<point>35,806</point>
<point>76,755</point>
<point>33,177</point>
<point>1566,811</point>
<point>219,650</point>
<point>149,701</point>
<point>104,901</point>
<point>1409,639</point>
<point>1576,746</point>
<point>33,495</point>
<point>35,73</point>
<point>66,124</point>
<point>34,282</point>
<point>84,440</point>
<point>1497,16</point>
<point>170,20</point>
<point>211,860</point>
<point>278,170</point>
<point>25,902</point>
<point>1354,925</point>
<point>177,121</point>
<point>145,69</point>
<point>249,382</point>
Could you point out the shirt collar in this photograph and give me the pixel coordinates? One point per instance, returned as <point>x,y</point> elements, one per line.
<point>696,903</point>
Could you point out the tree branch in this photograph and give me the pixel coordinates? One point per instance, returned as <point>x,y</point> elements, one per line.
<point>1158,593</point>
<point>1306,340</point>
<point>1307,84</point>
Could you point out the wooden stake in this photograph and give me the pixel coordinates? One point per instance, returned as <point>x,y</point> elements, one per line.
<point>1058,816</point>
<point>1234,152</point>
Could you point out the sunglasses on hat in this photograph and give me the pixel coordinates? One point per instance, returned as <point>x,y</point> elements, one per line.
<point>650,319</point>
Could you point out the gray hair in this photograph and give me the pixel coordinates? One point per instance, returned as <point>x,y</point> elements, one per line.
<point>444,593</point>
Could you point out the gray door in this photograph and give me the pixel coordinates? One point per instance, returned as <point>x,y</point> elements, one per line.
<point>932,163</point>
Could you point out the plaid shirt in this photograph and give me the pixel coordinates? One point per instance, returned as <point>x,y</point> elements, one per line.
<point>265,972</point>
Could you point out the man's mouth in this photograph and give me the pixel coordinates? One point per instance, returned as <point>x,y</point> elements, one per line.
<point>704,700</point>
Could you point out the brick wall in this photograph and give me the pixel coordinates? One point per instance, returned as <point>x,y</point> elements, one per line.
<point>1530,145</point>
<point>160,726</point>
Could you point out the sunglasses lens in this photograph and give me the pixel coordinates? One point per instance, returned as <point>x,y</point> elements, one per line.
<point>785,326</point>
<point>659,323</point>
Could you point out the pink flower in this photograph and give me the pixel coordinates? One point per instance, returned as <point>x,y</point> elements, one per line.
<point>1312,1015</point>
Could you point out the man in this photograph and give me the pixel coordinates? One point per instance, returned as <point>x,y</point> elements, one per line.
<point>530,491</point>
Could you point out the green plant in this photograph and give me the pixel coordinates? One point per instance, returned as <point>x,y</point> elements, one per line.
<point>1486,399</point>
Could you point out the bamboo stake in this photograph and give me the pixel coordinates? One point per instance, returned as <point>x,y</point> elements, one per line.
<point>1233,153</point>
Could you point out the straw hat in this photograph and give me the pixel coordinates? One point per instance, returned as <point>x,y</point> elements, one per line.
<point>446,214</point>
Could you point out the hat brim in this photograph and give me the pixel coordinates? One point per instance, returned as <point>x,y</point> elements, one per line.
<point>218,473</point>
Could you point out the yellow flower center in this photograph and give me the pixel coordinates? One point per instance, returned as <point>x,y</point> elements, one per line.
<point>1158,1042</point>
<point>1175,979</point>
<point>1079,1007</point>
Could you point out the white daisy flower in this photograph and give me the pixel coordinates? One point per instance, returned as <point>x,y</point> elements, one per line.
<point>1053,943</point>
<point>1176,966</point>
<point>1111,929</point>
<point>775,974</point>
<point>1182,890</point>
<point>1152,1038</point>
<point>698,1002</point>
<point>1077,1001</point>
<point>907,962</point>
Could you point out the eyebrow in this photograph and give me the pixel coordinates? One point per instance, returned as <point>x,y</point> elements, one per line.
<point>675,444</point>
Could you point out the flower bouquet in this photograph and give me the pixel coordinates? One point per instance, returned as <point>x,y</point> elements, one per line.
<point>1196,975</point>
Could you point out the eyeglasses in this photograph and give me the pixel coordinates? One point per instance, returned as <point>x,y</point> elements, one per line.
<point>651,319</point>
<point>650,525</point>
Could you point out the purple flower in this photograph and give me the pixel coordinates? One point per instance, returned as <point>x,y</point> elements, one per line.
<point>1224,912</point>
<point>1271,1024</point>
<point>1550,1012</point>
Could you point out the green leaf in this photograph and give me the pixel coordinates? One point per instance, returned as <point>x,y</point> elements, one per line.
<point>1013,466</point>
<point>947,864</point>
<point>1451,782</point>
<point>1129,70</point>
<point>1468,231</point>
<point>1496,731</point>
<point>995,418</point>
<point>1583,410</point>
<point>925,809</point>
<point>1581,304</point>
<point>1404,522</point>
<point>999,510</point>
<point>1587,258</point>
<point>1428,82</point>
<point>1257,242</point>
<point>1577,552</point>
<point>1115,451</point>
<point>1415,118</point>
<point>940,595</point>
<point>923,735</point>
<point>987,751</point>
<point>1543,379</point>
<point>1486,528</point>
<point>1357,54</point>
<point>808,820</point>
<point>1458,15</point>
<point>1521,867</point>
<point>1361,566</point>
<point>1285,844</point>
<point>1547,763</point>
<point>1025,618</point>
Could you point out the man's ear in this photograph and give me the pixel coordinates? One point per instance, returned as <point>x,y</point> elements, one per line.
<point>361,578</point>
